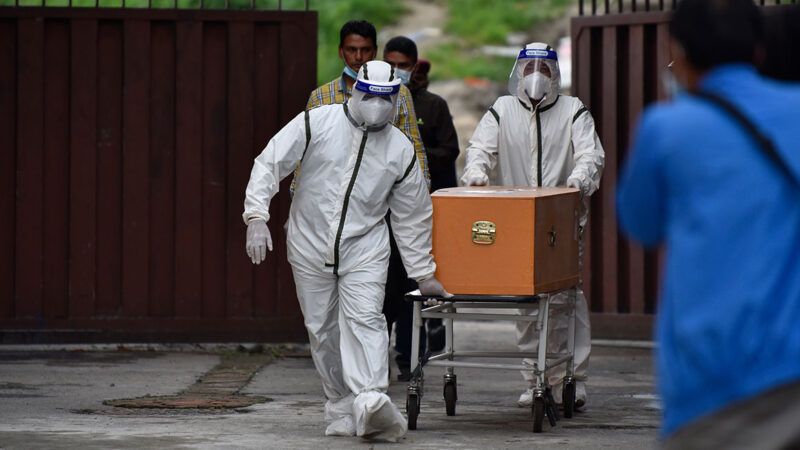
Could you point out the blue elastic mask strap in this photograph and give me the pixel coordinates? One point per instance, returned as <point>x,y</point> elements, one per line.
<point>350,72</point>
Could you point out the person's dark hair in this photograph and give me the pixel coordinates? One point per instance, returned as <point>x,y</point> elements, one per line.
<point>782,43</point>
<point>715,32</point>
<point>402,45</point>
<point>423,66</point>
<point>361,28</point>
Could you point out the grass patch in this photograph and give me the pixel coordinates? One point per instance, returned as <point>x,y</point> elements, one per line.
<point>477,23</point>
<point>480,22</point>
<point>333,14</point>
<point>452,61</point>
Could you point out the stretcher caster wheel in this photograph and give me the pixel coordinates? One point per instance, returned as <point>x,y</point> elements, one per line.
<point>538,414</point>
<point>568,399</point>
<point>450,397</point>
<point>412,409</point>
<point>550,407</point>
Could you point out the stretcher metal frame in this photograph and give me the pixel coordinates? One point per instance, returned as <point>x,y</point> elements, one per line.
<point>543,403</point>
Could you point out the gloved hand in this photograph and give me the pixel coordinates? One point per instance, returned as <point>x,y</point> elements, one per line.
<point>258,240</point>
<point>476,178</point>
<point>432,286</point>
<point>573,183</point>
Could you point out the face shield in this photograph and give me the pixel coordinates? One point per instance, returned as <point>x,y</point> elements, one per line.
<point>373,102</point>
<point>535,74</point>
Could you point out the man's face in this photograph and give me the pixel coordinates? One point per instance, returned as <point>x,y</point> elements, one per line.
<point>537,65</point>
<point>356,50</point>
<point>400,61</point>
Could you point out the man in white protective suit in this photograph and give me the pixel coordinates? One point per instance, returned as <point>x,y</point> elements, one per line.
<point>537,137</point>
<point>356,166</point>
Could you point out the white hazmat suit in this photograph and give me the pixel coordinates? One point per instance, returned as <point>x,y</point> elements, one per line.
<point>551,142</point>
<point>355,167</point>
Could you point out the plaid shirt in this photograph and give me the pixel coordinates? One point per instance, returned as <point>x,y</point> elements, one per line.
<point>406,119</point>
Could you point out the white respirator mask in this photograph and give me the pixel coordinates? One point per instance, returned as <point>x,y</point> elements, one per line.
<point>374,95</point>
<point>537,85</point>
<point>376,111</point>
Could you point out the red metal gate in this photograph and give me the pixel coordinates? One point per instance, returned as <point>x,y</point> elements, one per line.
<point>127,139</point>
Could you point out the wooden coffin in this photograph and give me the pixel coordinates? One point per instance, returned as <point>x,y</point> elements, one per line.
<point>503,240</point>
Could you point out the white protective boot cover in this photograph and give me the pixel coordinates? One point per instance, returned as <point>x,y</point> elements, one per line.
<point>378,418</point>
<point>339,416</point>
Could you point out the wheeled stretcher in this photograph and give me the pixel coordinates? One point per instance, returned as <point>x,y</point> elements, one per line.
<point>502,308</point>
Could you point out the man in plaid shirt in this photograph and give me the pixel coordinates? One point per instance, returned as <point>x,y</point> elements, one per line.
<point>357,45</point>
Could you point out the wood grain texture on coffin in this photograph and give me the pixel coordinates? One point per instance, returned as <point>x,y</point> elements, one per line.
<point>534,249</point>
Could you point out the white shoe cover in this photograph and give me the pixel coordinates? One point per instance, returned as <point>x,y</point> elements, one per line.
<point>526,399</point>
<point>339,415</point>
<point>378,418</point>
<point>580,394</point>
<point>343,426</point>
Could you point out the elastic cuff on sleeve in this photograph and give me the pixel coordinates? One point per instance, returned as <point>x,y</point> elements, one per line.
<point>424,277</point>
<point>252,216</point>
<point>470,173</point>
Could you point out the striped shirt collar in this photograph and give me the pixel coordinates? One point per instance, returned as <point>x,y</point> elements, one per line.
<point>342,85</point>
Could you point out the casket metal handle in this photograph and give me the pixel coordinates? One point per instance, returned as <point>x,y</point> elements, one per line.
<point>483,232</point>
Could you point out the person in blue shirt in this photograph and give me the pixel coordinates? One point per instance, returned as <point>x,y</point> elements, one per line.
<point>725,206</point>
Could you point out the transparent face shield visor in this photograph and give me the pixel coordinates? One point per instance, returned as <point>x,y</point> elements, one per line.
<point>529,62</point>
<point>374,104</point>
<point>537,65</point>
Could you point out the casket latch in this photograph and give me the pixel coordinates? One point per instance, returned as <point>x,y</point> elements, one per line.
<point>483,232</point>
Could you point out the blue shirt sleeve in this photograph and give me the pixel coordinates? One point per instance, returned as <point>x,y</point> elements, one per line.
<point>641,196</point>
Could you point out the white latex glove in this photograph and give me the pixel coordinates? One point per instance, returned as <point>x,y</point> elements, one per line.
<point>573,183</point>
<point>258,240</point>
<point>476,178</point>
<point>432,286</point>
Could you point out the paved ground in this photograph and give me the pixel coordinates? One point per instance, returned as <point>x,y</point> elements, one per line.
<point>55,399</point>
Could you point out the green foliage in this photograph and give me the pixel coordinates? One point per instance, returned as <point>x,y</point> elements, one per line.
<point>473,22</point>
<point>333,14</point>
<point>451,61</point>
<point>477,23</point>
<point>481,22</point>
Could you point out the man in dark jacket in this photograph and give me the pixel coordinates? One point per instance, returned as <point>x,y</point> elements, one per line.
<point>441,146</point>
<point>433,116</point>
<point>436,127</point>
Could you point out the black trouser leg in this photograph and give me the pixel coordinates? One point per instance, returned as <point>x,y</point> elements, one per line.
<point>403,336</point>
